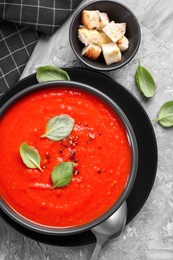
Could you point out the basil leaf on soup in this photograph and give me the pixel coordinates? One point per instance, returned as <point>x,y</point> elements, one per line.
<point>145,81</point>
<point>50,73</point>
<point>62,174</point>
<point>59,127</point>
<point>165,116</point>
<point>30,156</point>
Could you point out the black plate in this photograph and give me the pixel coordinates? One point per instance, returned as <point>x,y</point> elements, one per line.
<point>146,140</point>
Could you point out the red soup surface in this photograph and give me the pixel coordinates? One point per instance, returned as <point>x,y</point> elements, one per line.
<point>98,145</point>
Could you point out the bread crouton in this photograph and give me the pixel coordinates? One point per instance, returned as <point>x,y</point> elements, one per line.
<point>122,27</point>
<point>111,53</point>
<point>90,19</point>
<point>92,51</point>
<point>123,43</point>
<point>103,20</point>
<point>87,36</point>
<point>103,38</point>
<point>112,31</point>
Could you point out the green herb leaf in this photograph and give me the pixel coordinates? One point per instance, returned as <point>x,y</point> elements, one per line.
<point>30,156</point>
<point>165,117</point>
<point>145,81</point>
<point>50,73</point>
<point>62,174</point>
<point>59,127</point>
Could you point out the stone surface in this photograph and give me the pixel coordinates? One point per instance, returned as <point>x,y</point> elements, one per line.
<point>150,235</point>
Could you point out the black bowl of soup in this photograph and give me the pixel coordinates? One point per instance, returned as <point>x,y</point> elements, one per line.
<point>45,195</point>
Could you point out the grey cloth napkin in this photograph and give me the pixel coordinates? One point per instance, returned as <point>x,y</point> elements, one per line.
<point>21,23</point>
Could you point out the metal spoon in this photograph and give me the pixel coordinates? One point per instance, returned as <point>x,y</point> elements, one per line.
<point>112,227</point>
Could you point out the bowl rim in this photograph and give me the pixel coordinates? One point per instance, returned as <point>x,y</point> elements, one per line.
<point>50,230</point>
<point>112,66</point>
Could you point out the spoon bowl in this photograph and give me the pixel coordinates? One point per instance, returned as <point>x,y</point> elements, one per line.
<point>112,227</point>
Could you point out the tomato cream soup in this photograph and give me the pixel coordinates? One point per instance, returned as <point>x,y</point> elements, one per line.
<point>98,146</point>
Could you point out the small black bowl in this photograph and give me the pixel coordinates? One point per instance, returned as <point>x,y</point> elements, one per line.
<point>48,230</point>
<point>117,12</point>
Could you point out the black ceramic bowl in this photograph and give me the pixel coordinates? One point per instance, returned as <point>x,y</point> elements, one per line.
<point>117,12</point>
<point>134,151</point>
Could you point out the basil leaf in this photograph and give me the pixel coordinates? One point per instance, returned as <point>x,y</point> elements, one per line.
<point>59,127</point>
<point>62,174</point>
<point>145,81</point>
<point>50,73</point>
<point>30,156</point>
<point>165,117</point>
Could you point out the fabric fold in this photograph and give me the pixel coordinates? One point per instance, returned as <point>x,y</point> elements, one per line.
<point>21,22</point>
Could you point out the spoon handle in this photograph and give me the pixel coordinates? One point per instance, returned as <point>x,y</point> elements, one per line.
<point>95,254</point>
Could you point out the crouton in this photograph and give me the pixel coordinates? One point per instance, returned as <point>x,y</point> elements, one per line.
<point>103,20</point>
<point>122,27</point>
<point>90,19</point>
<point>87,36</point>
<point>112,31</point>
<point>111,53</point>
<point>103,39</point>
<point>92,51</point>
<point>123,43</point>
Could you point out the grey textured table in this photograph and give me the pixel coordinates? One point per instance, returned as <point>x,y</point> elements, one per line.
<point>149,236</point>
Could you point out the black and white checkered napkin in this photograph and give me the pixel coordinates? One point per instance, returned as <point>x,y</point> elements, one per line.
<point>21,22</point>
